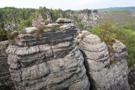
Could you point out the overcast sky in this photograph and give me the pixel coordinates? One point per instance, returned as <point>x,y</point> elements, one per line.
<point>67,4</point>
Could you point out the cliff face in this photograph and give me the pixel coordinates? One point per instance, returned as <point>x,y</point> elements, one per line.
<point>4,72</point>
<point>51,63</point>
<point>107,69</point>
<point>51,59</point>
<point>40,20</point>
<point>86,17</point>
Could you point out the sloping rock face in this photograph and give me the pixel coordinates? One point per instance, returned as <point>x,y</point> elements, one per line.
<point>4,72</point>
<point>131,77</point>
<point>108,70</point>
<point>51,63</point>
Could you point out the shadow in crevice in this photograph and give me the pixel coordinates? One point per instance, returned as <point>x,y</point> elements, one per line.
<point>92,83</point>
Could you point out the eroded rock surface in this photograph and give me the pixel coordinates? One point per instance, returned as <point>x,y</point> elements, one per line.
<point>108,70</point>
<point>64,20</point>
<point>86,17</point>
<point>40,20</point>
<point>51,63</point>
<point>4,72</point>
<point>131,77</point>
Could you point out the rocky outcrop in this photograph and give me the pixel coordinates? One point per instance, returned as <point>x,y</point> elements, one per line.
<point>64,20</point>
<point>40,20</point>
<point>9,27</point>
<point>4,72</point>
<point>52,62</point>
<point>70,12</point>
<point>106,64</point>
<point>86,17</point>
<point>48,58</point>
<point>131,77</point>
<point>61,13</point>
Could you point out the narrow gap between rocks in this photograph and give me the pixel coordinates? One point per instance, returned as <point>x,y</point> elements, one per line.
<point>92,83</point>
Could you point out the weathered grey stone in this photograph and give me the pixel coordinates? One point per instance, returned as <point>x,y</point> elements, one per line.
<point>30,29</point>
<point>9,27</point>
<point>64,20</point>
<point>107,69</point>
<point>4,72</point>
<point>131,77</point>
<point>40,20</point>
<point>52,63</point>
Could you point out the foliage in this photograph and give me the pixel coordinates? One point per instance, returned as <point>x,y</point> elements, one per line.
<point>124,33</point>
<point>127,36</point>
<point>28,44</point>
<point>118,17</point>
<point>81,26</point>
<point>3,35</point>
<point>22,17</point>
<point>12,36</point>
<point>105,31</point>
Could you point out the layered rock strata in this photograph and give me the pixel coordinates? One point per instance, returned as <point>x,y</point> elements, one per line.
<point>52,62</point>
<point>4,72</point>
<point>106,64</point>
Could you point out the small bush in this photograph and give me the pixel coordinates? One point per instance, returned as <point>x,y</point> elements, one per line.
<point>47,22</point>
<point>40,29</point>
<point>15,34</point>
<point>37,37</point>
<point>28,44</point>
<point>12,36</point>
<point>3,35</point>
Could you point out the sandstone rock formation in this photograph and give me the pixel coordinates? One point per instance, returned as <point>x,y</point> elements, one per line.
<point>70,12</point>
<point>50,59</point>
<point>107,69</point>
<point>61,13</point>
<point>87,17</point>
<point>64,20</point>
<point>9,27</point>
<point>51,63</point>
<point>4,72</point>
<point>40,20</point>
<point>131,77</point>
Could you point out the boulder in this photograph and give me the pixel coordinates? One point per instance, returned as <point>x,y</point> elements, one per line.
<point>64,20</point>
<point>107,69</point>
<point>51,63</point>
<point>30,29</point>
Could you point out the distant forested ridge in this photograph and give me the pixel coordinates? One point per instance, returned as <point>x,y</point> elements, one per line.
<point>118,8</point>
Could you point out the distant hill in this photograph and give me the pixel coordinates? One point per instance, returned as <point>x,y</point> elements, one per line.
<point>118,8</point>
